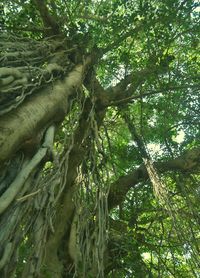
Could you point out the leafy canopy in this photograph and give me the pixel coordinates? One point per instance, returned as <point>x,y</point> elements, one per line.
<point>157,43</point>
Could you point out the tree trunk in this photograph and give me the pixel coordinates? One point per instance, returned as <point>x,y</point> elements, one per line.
<point>56,187</point>
<point>24,152</point>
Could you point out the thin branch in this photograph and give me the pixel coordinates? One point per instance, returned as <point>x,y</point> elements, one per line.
<point>21,199</point>
<point>143,95</point>
<point>116,43</point>
<point>93,17</point>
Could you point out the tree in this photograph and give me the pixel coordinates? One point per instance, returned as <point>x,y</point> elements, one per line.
<point>99,128</point>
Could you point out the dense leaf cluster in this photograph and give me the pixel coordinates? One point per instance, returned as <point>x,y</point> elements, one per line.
<point>146,62</point>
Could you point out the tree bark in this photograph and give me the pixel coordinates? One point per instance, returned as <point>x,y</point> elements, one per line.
<point>37,113</point>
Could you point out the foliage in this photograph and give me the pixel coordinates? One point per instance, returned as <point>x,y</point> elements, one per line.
<point>145,59</point>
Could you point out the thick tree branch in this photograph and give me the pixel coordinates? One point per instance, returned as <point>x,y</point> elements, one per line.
<point>41,110</point>
<point>9,195</point>
<point>50,24</point>
<point>124,90</point>
<point>186,162</point>
<point>152,93</point>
